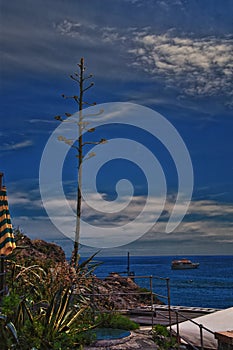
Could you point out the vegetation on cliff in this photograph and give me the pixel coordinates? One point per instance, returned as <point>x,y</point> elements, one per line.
<point>51,305</point>
<point>41,309</point>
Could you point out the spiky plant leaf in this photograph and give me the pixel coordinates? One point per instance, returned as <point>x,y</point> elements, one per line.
<point>86,262</point>
<point>63,307</point>
<point>13,331</point>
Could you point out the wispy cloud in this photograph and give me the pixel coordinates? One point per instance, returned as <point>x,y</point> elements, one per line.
<point>203,211</point>
<point>191,62</point>
<point>25,199</point>
<point>198,66</point>
<point>195,65</point>
<point>16,146</point>
<point>206,226</point>
<point>45,121</point>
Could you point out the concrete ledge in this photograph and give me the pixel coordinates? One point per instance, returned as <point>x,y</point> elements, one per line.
<point>225,337</point>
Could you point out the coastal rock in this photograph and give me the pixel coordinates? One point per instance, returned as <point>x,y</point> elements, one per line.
<point>116,292</point>
<point>32,251</point>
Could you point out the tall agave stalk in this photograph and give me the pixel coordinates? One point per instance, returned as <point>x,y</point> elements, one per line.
<point>80,78</point>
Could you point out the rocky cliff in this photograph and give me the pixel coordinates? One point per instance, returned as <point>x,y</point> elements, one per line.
<point>112,293</point>
<point>120,293</point>
<point>34,251</point>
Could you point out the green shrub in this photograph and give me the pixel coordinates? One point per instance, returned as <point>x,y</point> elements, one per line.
<point>10,304</point>
<point>42,312</point>
<point>145,296</point>
<point>162,338</point>
<point>116,320</point>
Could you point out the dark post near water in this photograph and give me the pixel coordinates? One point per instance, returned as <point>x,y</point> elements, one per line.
<point>129,273</point>
<point>128,264</point>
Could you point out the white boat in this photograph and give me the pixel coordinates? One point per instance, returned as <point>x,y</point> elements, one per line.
<point>183,264</point>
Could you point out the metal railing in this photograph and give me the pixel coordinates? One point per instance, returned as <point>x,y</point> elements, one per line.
<point>152,309</point>
<point>94,296</point>
<point>181,316</point>
<point>201,328</point>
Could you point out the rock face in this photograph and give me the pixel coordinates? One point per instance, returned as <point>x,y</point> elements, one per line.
<point>119,293</point>
<point>32,251</point>
<point>113,293</point>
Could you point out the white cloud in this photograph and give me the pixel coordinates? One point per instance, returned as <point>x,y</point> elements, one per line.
<point>198,66</point>
<point>46,121</point>
<point>210,208</point>
<point>16,146</point>
<point>68,27</point>
<point>207,227</point>
<point>27,199</point>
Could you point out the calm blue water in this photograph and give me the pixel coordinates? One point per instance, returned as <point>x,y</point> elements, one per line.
<point>211,285</point>
<point>109,333</point>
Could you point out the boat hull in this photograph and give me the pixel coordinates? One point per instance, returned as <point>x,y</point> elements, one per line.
<point>185,267</point>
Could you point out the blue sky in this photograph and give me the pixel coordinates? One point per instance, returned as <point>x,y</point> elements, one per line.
<point>172,56</point>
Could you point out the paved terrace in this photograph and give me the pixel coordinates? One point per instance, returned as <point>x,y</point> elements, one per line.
<point>143,316</point>
<point>141,339</point>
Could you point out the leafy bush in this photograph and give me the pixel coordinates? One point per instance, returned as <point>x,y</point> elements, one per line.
<point>116,320</point>
<point>46,326</point>
<point>41,311</point>
<point>9,304</point>
<point>146,294</point>
<point>162,338</point>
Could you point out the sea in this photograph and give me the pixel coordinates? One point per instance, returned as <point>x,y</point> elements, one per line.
<point>208,286</point>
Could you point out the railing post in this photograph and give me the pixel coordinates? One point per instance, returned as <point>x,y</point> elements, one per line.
<point>152,301</point>
<point>177,329</point>
<point>201,336</point>
<point>169,303</point>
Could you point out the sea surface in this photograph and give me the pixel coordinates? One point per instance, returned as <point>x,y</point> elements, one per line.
<point>210,285</point>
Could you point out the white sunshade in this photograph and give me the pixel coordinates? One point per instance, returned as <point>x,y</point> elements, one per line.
<point>216,322</point>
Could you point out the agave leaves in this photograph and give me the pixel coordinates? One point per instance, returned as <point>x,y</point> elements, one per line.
<point>25,274</point>
<point>8,333</point>
<point>31,276</point>
<point>46,322</point>
<point>39,283</point>
<point>89,265</point>
<point>59,316</point>
<point>23,314</point>
<point>49,305</point>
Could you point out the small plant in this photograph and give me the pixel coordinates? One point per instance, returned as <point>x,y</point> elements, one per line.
<point>145,295</point>
<point>116,320</point>
<point>8,334</point>
<point>9,304</point>
<point>162,338</point>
